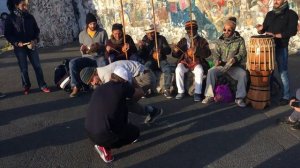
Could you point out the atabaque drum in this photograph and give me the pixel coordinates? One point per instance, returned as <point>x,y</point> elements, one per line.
<point>261,51</point>
<point>260,63</point>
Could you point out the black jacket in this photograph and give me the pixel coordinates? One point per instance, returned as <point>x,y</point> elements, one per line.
<point>21,28</point>
<point>147,50</point>
<point>285,23</point>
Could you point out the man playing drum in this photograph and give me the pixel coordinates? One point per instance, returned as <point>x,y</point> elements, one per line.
<point>191,58</point>
<point>281,23</point>
<point>230,56</point>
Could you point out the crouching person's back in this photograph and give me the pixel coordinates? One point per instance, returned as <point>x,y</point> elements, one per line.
<point>107,116</point>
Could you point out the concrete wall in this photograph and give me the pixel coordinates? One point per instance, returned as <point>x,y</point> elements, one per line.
<point>61,20</point>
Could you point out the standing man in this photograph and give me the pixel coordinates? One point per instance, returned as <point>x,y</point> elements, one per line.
<point>22,31</point>
<point>92,41</point>
<point>230,57</point>
<point>281,23</point>
<point>106,121</point>
<point>187,52</point>
<point>147,51</point>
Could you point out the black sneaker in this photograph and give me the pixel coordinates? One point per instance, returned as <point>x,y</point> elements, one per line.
<point>283,102</point>
<point>285,120</point>
<point>2,95</point>
<point>296,126</point>
<point>153,115</point>
<point>167,94</point>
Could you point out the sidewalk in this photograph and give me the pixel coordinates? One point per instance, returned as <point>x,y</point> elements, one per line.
<point>47,130</point>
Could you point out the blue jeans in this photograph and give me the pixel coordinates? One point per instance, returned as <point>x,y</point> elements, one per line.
<point>281,55</point>
<point>76,65</point>
<point>164,67</point>
<point>33,56</point>
<point>100,61</point>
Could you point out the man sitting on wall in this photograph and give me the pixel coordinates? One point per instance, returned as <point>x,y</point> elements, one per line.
<point>191,58</point>
<point>147,50</point>
<point>229,57</point>
<point>92,41</point>
<point>115,47</point>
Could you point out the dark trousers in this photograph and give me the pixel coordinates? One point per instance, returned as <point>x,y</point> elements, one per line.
<point>22,53</point>
<point>76,65</point>
<point>111,141</point>
<point>164,67</point>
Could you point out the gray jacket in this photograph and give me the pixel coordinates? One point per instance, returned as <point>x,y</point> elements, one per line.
<point>100,37</point>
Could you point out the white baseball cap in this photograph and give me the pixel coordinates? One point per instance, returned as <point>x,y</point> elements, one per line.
<point>123,73</point>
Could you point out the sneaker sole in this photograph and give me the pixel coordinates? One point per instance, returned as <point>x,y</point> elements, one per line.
<point>102,155</point>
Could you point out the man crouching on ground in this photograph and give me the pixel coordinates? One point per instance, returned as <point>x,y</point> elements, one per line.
<point>106,121</point>
<point>141,80</point>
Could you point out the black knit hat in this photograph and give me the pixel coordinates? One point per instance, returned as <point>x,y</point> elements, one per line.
<point>90,18</point>
<point>17,2</point>
<point>191,23</point>
<point>231,21</point>
<point>11,4</point>
<point>117,26</point>
<point>86,74</point>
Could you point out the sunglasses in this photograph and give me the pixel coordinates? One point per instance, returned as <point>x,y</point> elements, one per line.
<point>227,30</point>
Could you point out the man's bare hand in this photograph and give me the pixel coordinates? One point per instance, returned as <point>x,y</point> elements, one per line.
<point>259,27</point>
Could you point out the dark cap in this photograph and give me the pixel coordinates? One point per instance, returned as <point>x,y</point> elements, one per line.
<point>90,18</point>
<point>117,26</point>
<point>191,23</point>
<point>86,74</point>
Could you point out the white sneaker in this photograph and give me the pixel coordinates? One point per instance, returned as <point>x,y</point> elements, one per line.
<point>240,102</point>
<point>208,100</point>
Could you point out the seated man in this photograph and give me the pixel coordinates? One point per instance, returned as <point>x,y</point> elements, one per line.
<point>92,41</point>
<point>229,57</point>
<point>191,58</point>
<point>106,121</point>
<point>142,79</point>
<point>115,48</point>
<point>147,50</point>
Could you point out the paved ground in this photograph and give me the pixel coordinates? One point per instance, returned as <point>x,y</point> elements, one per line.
<point>47,130</point>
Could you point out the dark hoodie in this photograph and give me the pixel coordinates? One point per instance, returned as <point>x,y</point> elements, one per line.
<point>21,27</point>
<point>147,50</point>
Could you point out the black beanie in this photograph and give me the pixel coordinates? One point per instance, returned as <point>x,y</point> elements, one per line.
<point>117,26</point>
<point>90,18</point>
<point>17,2</point>
<point>232,18</point>
<point>12,3</point>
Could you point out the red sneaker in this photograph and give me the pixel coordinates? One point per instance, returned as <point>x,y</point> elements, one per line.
<point>26,90</point>
<point>46,90</point>
<point>105,154</point>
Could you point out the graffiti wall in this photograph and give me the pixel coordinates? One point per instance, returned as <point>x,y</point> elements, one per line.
<point>172,14</point>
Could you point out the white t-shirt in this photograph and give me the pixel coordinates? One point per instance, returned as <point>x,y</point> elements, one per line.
<point>133,67</point>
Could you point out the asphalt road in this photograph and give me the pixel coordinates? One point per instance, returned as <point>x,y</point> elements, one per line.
<point>47,129</point>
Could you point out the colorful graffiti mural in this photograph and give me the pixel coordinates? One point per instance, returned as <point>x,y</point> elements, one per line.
<point>170,16</point>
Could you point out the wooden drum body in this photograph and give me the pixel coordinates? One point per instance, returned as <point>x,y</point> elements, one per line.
<point>260,63</point>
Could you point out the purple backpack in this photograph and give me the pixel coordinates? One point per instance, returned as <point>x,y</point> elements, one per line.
<point>223,94</point>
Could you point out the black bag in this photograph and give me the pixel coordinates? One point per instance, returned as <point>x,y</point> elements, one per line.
<point>62,77</point>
